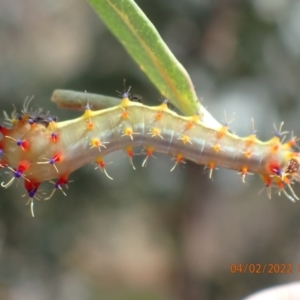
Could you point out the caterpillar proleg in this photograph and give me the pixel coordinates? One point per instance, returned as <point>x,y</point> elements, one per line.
<point>38,148</point>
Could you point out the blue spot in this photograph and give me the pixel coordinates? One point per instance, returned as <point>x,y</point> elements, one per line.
<point>32,192</point>
<point>17,174</point>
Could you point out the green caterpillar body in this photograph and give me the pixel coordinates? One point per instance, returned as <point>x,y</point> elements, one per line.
<point>41,149</point>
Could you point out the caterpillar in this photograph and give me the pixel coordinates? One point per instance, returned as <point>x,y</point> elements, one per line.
<point>37,148</point>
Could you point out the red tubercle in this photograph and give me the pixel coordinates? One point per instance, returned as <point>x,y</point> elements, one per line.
<point>130,154</point>
<point>62,180</point>
<point>274,168</point>
<point>149,152</point>
<point>101,163</point>
<point>179,159</point>
<point>57,157</point>
<point>24,144</point>
<point>23,166</point>
<point>4,130</point>
<point>18,172</point>
<point>31,186</point>
<point>54,137</point>
<point>129,151</point>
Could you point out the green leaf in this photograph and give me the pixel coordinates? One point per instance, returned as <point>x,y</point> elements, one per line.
<point>142,41</point>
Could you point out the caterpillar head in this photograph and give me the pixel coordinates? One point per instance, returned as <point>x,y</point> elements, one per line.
<point>283,177</point>
<point>292,169</point>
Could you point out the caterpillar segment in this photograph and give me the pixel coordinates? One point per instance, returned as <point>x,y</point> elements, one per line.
<point>37,148</point>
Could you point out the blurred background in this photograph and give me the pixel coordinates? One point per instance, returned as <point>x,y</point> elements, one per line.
<point>150,234</point>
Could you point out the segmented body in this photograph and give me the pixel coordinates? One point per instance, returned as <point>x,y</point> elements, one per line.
<point>39,151</point>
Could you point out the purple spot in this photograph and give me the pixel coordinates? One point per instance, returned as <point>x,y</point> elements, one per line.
<point>32,193</point>
<point>126,94</point>
<point>278,134</point>
<point>277,171</point>
<point>17,174</point>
